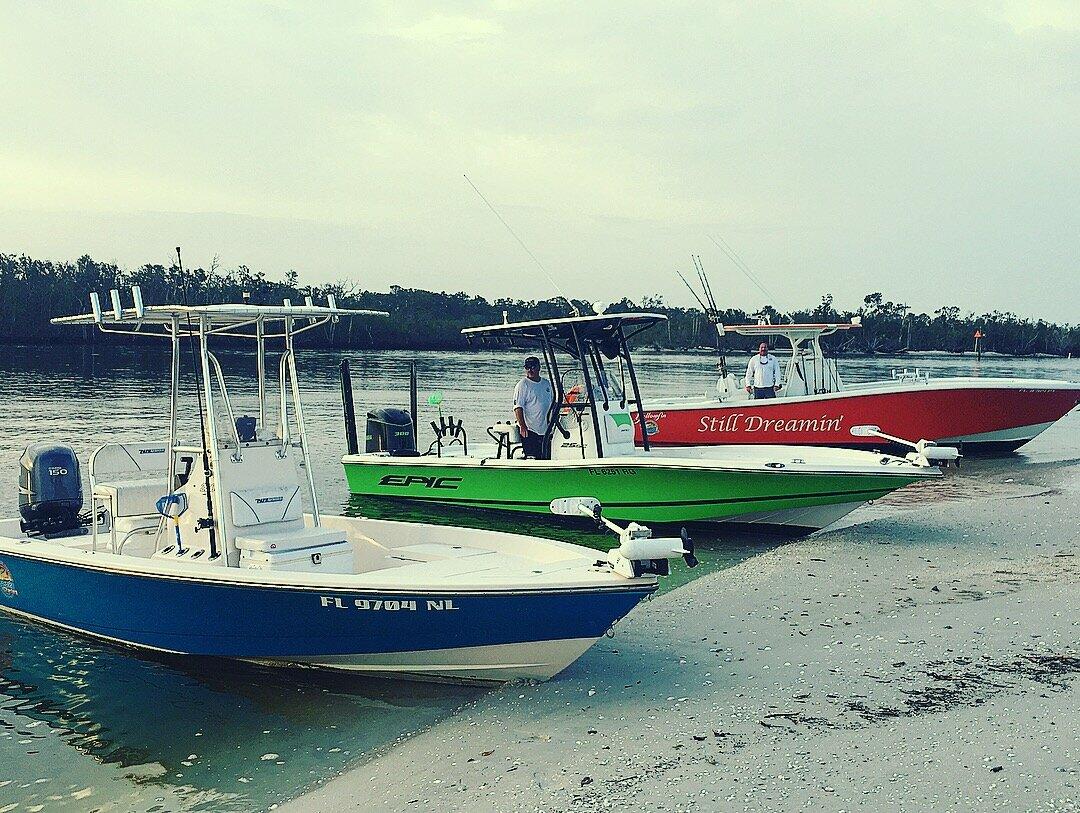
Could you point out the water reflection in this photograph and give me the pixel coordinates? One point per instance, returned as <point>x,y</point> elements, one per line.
<point>204,732</point>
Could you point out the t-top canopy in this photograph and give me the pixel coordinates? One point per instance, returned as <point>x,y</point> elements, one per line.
<point>793,332</point>
<point>586,328</point>
<point>218,315</point>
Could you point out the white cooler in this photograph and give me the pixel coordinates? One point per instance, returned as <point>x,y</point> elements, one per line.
<point>334,558</point>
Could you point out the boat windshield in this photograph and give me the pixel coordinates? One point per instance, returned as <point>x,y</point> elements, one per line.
<point>603,384</point>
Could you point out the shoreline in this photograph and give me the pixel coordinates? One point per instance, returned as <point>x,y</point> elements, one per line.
<point>103,345</point>
<point>924,658</point>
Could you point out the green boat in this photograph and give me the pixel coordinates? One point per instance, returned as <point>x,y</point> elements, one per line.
<point>592,451</point>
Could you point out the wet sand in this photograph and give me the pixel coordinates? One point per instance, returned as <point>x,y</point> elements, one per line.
<point>926,660</point>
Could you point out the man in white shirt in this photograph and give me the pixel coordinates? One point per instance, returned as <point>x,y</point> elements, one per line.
<point>763,374</point>
<point>532,408</point>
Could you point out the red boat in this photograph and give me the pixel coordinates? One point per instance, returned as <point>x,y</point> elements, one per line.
<point>814,407</point>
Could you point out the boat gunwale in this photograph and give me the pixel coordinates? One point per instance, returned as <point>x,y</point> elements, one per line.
<point>211,575</point>
<point>908,469</point>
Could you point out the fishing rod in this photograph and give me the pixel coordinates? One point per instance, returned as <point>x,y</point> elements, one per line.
<point>693,293</point>
<point>210,525</point>
<point>741,265</point>
<point>706,287</point>
<point>712,312</point>
<point>573,308</point>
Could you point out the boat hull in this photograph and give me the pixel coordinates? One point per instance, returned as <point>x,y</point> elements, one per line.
<point>628,488</point>
<point>995,417</point>
<point>468,635</point>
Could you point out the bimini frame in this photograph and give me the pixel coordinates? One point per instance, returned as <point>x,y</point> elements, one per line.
<point>198,323</point>
<point>588,340</point>
<point>804,338</point>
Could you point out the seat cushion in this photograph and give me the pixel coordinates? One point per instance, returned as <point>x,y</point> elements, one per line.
<point>131,498</point>
<point>267,541</point>
<point>258,506</point>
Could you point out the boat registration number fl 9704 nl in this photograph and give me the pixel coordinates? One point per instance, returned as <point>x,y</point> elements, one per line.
<point>389,604</point>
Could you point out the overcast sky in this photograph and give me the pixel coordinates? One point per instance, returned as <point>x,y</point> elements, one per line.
<point>929,151</point>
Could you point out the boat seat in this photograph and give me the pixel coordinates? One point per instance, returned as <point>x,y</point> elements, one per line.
<point>132,498</point>
<point>270,540</point>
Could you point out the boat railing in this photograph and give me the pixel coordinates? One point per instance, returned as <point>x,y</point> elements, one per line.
<point>289,382</point>
<point>905,374</point>
<point>284,431</point>
<point>237,456</point>
<point>118,474</point>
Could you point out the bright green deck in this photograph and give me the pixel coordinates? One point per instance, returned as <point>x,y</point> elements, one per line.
<point>647,493</point>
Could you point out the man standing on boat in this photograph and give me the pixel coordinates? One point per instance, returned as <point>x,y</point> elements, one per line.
<point>532,408</point>
<point>763,373</point>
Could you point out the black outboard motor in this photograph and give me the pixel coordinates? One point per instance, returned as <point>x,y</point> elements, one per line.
<point>390,430</point>
<point>50,489</point>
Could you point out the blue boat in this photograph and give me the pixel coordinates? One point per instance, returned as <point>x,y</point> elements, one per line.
<point>217,547</point>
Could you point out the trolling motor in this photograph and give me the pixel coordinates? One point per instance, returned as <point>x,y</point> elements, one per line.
<point>927,453</point>
<point>638,552</point>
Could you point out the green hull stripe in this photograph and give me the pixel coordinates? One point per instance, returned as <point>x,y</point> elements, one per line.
<point>861,495</point>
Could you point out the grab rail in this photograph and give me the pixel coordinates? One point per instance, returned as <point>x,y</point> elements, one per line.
<point>236,457</point>
<point>284,432</point>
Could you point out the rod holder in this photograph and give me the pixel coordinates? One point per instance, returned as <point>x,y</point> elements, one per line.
<point>95,307</point>
<point>136,296</point>
<point>118,309</point>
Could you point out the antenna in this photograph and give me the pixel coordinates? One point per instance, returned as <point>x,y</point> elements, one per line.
<point>540,265</point>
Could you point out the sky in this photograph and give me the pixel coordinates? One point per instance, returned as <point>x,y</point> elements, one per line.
<point>930,151</point>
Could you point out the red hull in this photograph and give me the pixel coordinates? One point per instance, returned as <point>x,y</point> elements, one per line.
<point>992,417</point>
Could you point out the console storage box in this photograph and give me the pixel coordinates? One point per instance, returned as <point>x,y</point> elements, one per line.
<point>334,558</point>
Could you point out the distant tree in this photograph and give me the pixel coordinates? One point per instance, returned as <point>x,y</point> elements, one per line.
<point>34,291</point>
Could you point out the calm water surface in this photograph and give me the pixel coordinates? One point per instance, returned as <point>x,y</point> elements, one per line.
<point>87,727</point>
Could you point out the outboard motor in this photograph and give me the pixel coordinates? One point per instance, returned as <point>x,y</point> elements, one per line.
<point>390,430</point>
<point>50,489</point>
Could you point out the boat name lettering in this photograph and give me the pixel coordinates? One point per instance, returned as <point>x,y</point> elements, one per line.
<point>741,422</point>
<point>388,604</point>
<point>649,416</point>
<point>406,480</point>
<point>154,450</point>
<point>262,500</point>
<point>612,470</point>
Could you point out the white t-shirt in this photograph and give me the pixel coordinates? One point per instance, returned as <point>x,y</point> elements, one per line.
<point>534,398</point>
<point>762,372</point>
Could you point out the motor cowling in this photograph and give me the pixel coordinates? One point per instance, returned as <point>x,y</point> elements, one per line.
<point>50,488</point>
<point>390,430</point>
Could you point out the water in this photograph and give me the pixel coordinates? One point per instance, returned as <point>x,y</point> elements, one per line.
<point>83,726</point>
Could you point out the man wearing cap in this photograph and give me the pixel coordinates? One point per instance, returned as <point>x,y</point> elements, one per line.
<point>532,408</point>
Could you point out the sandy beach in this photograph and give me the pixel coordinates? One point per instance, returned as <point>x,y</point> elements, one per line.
<point>929,660</point>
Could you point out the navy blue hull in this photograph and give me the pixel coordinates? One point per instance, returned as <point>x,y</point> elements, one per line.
<point>202,617</point>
